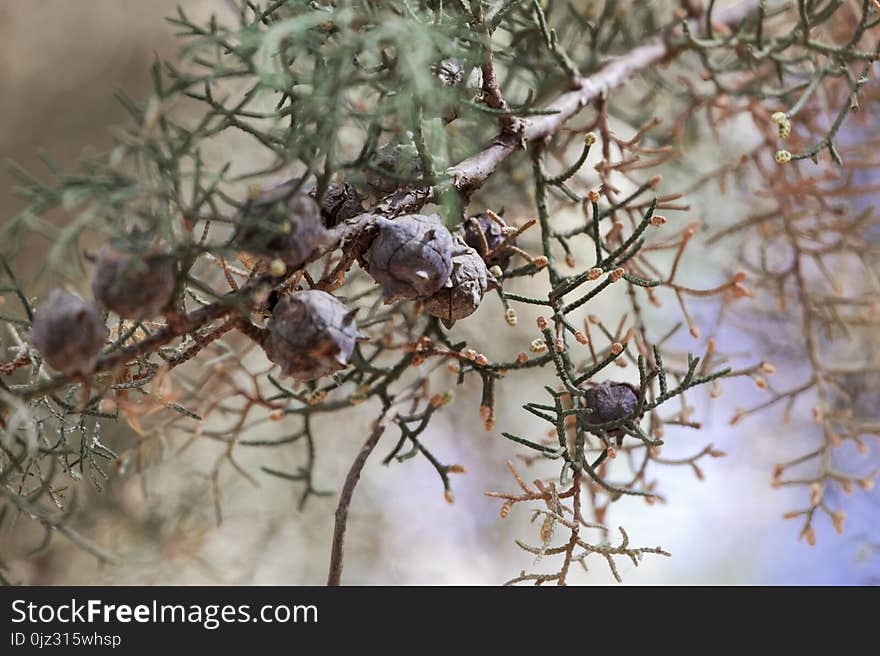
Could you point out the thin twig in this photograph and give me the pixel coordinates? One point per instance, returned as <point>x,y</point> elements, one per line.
<point>351,480</point>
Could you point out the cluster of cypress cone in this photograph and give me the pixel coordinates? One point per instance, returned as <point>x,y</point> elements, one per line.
<point>309,333</point>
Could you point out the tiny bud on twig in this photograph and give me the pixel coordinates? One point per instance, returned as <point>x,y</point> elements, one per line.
<point>277,268</point>
<point>837,519</point>
<point>815,494</point>
<point>782,157</point>
<point>810,535</point>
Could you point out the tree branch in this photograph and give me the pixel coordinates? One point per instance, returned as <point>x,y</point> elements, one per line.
<point>351,480</point>
<point>466,177</point>
<point>470,174</point>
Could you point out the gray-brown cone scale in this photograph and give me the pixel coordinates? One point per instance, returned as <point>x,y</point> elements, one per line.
<point>464,291</point>
<point>133,286</point>
<point>311,334</point>
<point>69,333</point>
<point>411,256</point>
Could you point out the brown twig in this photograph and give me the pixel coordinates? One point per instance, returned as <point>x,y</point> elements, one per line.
<point>351,480</point>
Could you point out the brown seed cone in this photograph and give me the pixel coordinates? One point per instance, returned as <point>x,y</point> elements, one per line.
<point>411,257</point>
<point>69,333</point>
<point>484,235</point>
<point>131,285</point>
<point>281,223</point>
<point>610,401</point>
<point>311,334</point>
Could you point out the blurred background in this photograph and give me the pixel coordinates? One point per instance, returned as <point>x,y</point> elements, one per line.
<point>60,63</point>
